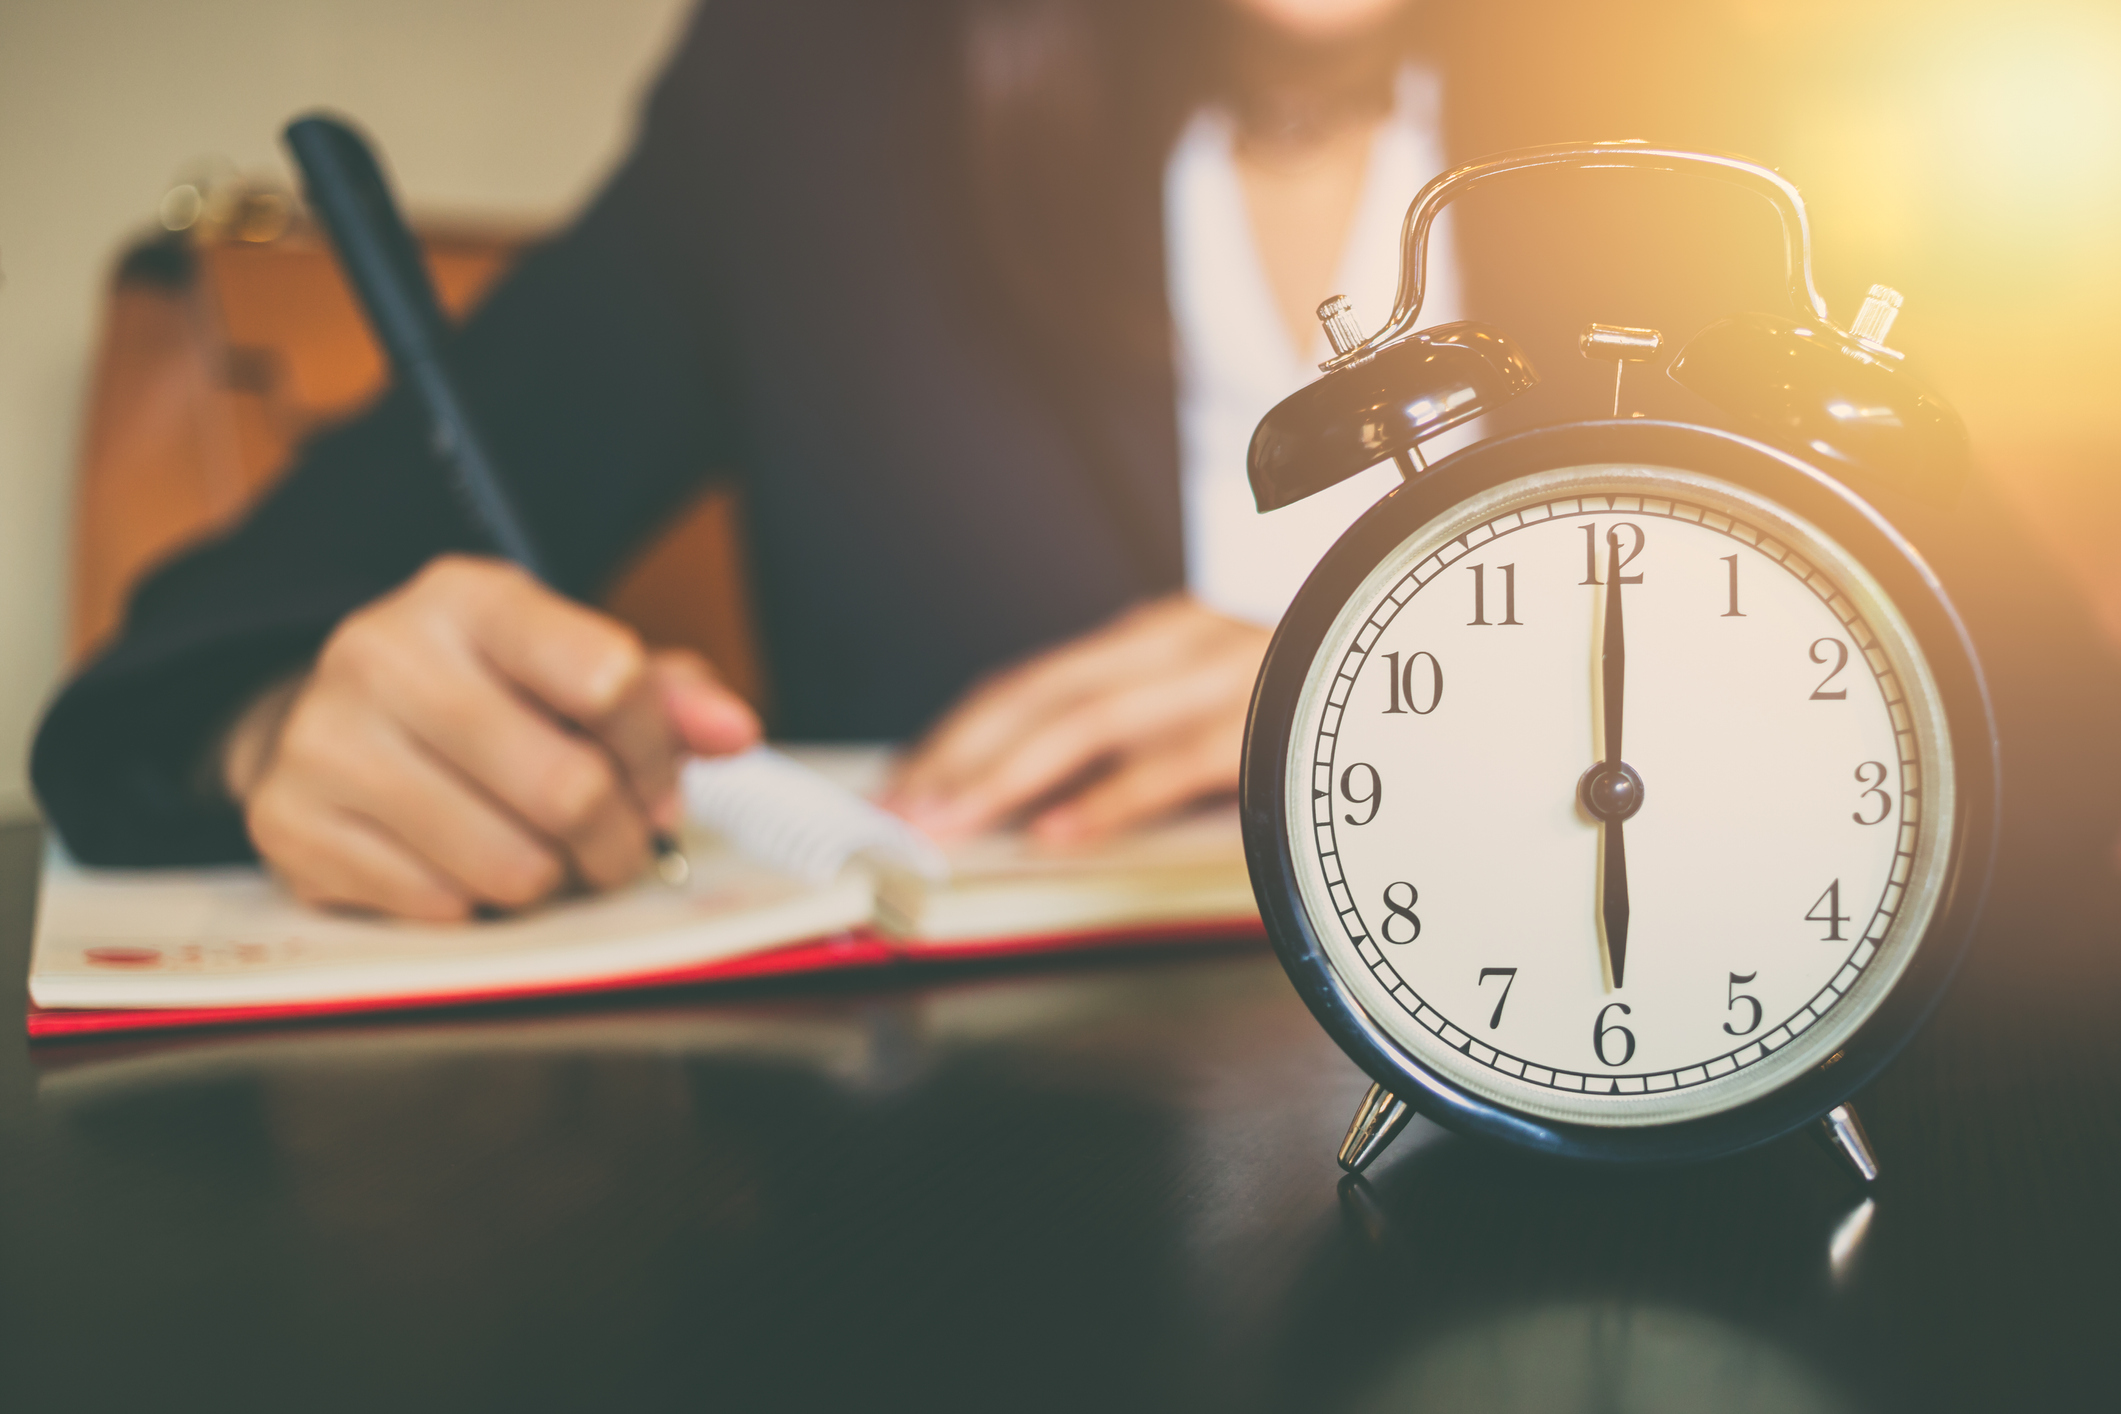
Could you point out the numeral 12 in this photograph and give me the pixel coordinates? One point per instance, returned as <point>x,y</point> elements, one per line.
<point>1592,558</point>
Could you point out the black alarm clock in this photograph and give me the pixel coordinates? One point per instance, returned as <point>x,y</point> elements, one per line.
<point>1622,790</point>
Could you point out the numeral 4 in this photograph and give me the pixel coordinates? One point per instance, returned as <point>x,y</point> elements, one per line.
<point>1833,918</point>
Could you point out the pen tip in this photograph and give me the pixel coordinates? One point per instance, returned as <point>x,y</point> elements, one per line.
<point>671,865</point>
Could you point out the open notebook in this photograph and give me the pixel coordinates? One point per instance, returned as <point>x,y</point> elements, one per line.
<point>792,871</point>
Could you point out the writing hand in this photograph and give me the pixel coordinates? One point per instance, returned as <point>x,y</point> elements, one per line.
<point>472,739</point>
<point>1111,729</point>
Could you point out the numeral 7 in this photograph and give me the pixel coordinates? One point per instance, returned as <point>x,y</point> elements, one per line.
<point>1509,976</point>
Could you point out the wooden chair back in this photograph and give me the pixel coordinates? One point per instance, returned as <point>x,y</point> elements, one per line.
<point>224,346</point>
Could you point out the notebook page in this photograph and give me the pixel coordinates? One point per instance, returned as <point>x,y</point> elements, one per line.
<point>234,937</point>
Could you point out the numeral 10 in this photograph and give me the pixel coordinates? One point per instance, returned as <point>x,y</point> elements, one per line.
<point>1403,683</point>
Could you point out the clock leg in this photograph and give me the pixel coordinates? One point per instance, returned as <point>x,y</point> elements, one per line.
<point>1842,1133</point>
<point>1378,1120</point>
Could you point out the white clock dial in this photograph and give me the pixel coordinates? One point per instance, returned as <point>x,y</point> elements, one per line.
<point>1796,806</point>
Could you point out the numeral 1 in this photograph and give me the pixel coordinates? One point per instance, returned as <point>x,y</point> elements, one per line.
<point>1480,596</point>
<point>1732,612</point>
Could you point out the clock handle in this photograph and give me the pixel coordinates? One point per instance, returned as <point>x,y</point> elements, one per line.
<point>1805,300</point>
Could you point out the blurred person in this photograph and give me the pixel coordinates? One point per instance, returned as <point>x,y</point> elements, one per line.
<point>905,272</point>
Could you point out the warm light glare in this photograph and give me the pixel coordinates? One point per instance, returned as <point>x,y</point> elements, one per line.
<point>2035,120</point>
<point>1991,139</point>
<point>1969,155</point>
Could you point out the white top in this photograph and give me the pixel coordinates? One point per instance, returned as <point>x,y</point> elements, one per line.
<point>1234,360</point>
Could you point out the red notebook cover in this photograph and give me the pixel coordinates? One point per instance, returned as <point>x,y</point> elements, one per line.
<point>852,951</point>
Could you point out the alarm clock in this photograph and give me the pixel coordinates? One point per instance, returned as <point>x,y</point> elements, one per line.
<point>1622,790</point>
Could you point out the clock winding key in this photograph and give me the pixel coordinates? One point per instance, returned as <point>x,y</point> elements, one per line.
<point>1623,346</point>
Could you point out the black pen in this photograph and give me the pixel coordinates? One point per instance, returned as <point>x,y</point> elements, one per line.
<point>349,194</point>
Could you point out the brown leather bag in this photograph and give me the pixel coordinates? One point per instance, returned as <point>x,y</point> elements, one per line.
<point>225,344</point>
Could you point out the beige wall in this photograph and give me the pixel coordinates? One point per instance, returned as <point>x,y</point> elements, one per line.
<point>504,107</point>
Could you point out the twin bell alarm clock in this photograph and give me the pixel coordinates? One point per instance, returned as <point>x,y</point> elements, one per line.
<point>1623,790</point>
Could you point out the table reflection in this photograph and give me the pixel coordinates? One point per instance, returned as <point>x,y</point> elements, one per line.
<point>1107,1184</point>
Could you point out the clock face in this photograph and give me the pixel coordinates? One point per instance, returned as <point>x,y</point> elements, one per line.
<point>1791,821</point>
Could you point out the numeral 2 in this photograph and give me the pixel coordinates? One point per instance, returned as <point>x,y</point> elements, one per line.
<point>1480,596</point>
<point>1841,660</point>
<point>1402,681</point>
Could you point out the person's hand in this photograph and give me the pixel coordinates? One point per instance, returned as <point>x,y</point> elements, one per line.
<point>1123,724</point>
<point>472,739</point>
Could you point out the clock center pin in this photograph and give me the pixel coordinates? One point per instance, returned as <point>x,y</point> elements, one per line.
<point>1611,791</point>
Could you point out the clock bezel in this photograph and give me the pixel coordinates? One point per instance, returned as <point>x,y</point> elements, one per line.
<point>1781,478</point>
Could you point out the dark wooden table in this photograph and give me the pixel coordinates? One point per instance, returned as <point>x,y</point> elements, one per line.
<point>1102,1185</point>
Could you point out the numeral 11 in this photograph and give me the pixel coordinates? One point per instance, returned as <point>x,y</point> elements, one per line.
<point>1480,596</point>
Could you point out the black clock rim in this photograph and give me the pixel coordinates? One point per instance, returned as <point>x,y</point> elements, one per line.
<point>1807,492</point>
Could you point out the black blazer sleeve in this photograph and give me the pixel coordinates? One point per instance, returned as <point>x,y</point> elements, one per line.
<point>600,404</point>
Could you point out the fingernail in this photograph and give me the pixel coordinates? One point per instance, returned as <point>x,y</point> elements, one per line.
<point>1058,827</point>
<point>608,680</point>
<point>945,818</point>
<point>925,809</point>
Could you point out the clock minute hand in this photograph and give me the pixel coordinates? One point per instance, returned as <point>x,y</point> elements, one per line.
<point>1613,653</point>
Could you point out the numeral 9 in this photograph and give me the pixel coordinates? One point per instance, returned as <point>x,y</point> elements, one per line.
<point>1373,795</point>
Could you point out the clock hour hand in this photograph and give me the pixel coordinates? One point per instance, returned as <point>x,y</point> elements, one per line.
<point>1613,899</point>
<point>1611,790</point>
